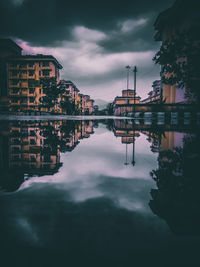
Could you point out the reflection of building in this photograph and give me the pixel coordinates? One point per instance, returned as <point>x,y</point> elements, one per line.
<point>154,139</point>
<point>125,130</point>
<point>33,148</point>
<point>24,72</point>
<point>125,104</point>
<point>164,141</point>
<point>154,95</point>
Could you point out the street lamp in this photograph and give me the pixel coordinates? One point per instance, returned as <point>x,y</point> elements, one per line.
<point>128,70</point>
<point>134,71</point>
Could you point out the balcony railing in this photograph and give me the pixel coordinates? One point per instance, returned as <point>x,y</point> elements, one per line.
<point>15,103</point>
<point>14,85</point>
<point>11,93</point>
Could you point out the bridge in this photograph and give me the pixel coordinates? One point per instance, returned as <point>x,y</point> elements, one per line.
<point>180,108</point>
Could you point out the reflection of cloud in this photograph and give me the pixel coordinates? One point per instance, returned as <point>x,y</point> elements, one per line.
<point>96,163</point>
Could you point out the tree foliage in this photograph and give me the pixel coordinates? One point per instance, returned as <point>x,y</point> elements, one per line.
<point>53,91</point>
<point>179,57</point>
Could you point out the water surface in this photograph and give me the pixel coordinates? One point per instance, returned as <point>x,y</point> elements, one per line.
<point>99,193</point>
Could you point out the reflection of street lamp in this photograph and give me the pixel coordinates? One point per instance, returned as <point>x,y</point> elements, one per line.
<point>133,159</point>
<point>126,163</point>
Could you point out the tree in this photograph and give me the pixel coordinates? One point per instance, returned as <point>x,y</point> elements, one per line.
<point>110,108</point>
<point>52,91</point>
<point>67,106</point>
<point>179,58</point>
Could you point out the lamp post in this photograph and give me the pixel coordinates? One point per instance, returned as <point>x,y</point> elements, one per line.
<point>134,71</point>
<point>128,70</point>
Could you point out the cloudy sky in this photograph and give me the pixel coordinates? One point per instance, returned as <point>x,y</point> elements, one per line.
<point>93,40</point>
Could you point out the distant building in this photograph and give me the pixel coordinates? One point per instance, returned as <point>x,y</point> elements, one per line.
<point>89,106</point>
<point>155,96</point>
<point>71,94</point>
<point>125,104</point>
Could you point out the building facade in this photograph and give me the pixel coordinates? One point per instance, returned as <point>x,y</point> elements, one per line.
<point>155,95</point>
<point>125,104</point>
<point>20,87</point>
<point>24,88</point>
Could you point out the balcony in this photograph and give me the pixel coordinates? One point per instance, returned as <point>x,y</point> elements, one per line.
<point>12,93</point>
<point>23,76</point>
<point>24,103</point>
<point>15,103</point>
<point>16,76</point>
<point>12,67</point>
<point>14,85</point>
<point>24,93</point>
<point>31,67</point>
<point>24,84</point>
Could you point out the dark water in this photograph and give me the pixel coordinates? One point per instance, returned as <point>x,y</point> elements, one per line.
<point>99,193</point>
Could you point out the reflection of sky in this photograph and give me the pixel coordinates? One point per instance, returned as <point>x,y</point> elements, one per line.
<point>94,207</point>
<point>96,161</point>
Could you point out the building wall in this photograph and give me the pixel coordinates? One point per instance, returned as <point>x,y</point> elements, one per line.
<point>24,89</point>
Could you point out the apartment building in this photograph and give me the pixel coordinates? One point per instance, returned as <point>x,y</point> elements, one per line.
<point>20,86</point>
<point>155,95</point>
<point>24,88</point>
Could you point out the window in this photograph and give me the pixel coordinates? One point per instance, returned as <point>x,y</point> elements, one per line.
<point>32,159</point>
<point>13,65</point>
<point>31,64</point>
<point>40,91</point>
<point>14,73</point>
<point>15,90</point>
<point>32,142</point>
<point>40,73</point>
<point>32,133</point>
<point>45,72</point>
<point>23,65</point>
<point>31,90</point>
<point>31,72</point>
<point>45,63</point>
<point>15,82</point>
<point>31,100</point>
<point>15,100</point>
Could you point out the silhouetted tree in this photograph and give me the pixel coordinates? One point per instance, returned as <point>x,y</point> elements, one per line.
<point>179,58</point>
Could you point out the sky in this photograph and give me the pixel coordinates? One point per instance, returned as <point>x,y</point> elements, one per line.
<point>93,40</point>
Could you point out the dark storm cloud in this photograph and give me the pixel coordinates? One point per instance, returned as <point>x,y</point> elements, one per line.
<point>140,38</point>
<point>48,22</point>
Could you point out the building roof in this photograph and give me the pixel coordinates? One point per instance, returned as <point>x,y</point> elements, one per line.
<point>38,57</point>
<point>8,44</point>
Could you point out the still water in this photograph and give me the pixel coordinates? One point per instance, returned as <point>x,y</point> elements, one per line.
<point>99,193</point>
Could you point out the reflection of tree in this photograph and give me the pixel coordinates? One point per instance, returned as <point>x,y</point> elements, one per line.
<point>177,199</point>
